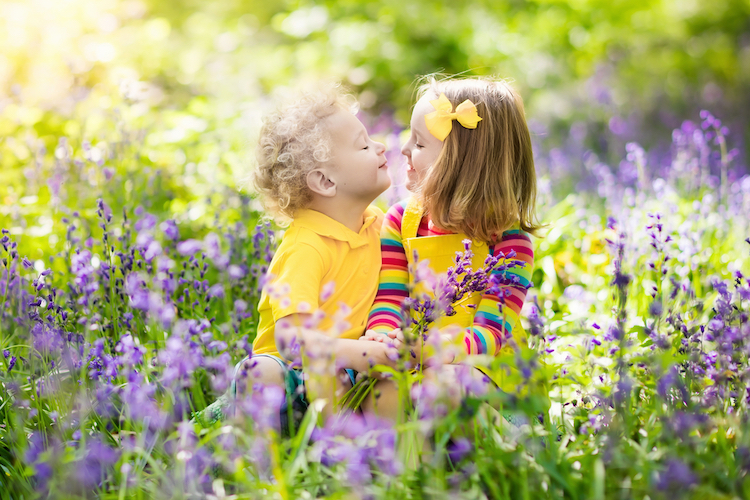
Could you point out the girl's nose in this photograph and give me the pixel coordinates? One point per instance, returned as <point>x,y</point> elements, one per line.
<point>405,150</point>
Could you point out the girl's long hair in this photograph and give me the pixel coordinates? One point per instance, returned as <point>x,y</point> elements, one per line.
<point>484,181</point>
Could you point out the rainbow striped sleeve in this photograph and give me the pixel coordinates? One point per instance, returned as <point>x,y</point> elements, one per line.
<point>394,274</point>
<point>494,320</point>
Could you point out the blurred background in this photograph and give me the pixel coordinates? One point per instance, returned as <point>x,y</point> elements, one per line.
<point>158,103</point>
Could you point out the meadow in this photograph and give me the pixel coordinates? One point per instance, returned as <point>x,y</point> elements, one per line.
<point>133,256</point>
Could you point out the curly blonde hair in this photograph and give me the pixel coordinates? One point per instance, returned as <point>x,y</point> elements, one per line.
<point>293,141</point>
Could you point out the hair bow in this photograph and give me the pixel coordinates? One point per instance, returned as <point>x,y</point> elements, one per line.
<point>440,121</point>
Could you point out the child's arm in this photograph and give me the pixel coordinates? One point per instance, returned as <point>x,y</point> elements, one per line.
<point>349,353</point>
<point>496,316</point>
<point>494,320</point>
<point>385,313</point>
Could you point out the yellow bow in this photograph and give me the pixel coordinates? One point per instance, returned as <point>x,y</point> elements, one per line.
<point>440,121</point>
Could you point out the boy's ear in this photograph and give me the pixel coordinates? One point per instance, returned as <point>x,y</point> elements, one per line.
<point>319,183</point>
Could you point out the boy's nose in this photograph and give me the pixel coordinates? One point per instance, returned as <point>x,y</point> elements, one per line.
<point>380,147</point>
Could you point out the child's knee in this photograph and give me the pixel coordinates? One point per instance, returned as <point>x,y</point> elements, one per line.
<point>264,371</point>
<point>383,400</point>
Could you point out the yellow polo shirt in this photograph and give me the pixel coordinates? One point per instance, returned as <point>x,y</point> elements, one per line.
<point>322,265</point>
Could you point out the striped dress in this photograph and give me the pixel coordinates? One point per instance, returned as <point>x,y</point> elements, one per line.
<point>493,321</point>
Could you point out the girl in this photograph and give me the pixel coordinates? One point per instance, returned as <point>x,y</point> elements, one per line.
<point>471,171</point>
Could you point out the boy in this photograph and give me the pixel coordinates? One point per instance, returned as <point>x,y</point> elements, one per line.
<point>318,167</point>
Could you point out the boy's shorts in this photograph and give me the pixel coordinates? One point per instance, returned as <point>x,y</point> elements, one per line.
<point>294,388</point>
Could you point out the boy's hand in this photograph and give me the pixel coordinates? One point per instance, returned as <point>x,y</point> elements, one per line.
<point>380,353</point>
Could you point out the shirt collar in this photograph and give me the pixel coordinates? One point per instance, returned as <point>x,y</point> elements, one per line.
<point>324,225</point>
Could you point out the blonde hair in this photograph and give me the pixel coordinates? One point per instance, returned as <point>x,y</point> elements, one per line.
<point>484,181</point>
<point>293,141</point>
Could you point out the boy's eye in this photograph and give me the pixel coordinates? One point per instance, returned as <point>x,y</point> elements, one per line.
<point>366,147</point>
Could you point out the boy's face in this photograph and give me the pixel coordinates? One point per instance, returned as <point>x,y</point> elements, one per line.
<point>358,165</point>
<point>422,148</point>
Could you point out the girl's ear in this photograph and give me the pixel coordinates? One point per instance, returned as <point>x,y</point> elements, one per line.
<point>319,183</point>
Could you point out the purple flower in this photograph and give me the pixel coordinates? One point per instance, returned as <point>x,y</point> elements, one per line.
<point>237,272</point>
<point>676,477</point>
<point>622,390</point>
<point>357,444</point>
<point>145,223</point>
<point>742,457</point>
<point>212,246</point>
<point>46,339</point>
<point>180,358</point>
<point>656,308</point>
<point>470,383</point>
<point>189,247</point>
<point>216,291</point>
<point>152,250</point>
<point>136,289</point>
<point>131,355</point>
<point>95,465</point>
<point>263,406</point>
<point>100,363</point>
<point>458,449</point>
<point>683,423</point>
<point>263,238</point>
<point>103,210</point>
<point>170,230</point>
<point>85,276</point>
<point>620,280</point>
<point>424,396</point>
<point>138,397</point>
<point>536,323</point>
<point>666,382</point>
<point>614,332</point>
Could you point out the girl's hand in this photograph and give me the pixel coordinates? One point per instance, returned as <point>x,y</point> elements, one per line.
<point>449,351</point>
<point>397,334</point>
<point>395,337</point>
<point>372,335</point>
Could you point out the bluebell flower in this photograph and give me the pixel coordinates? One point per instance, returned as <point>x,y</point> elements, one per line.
<point>170,230</point>
<point>189,247</point>
<point>676,477</point>
<point>459,449</point>
<point>99,458</point>
<point>11,364</point>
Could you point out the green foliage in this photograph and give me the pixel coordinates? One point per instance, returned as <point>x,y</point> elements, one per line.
<point>153,107</point>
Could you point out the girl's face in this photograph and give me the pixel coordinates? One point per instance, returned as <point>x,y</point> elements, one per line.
<point>422,148</point>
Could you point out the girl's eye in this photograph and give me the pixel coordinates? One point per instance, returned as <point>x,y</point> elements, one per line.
<point>418,145</point>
